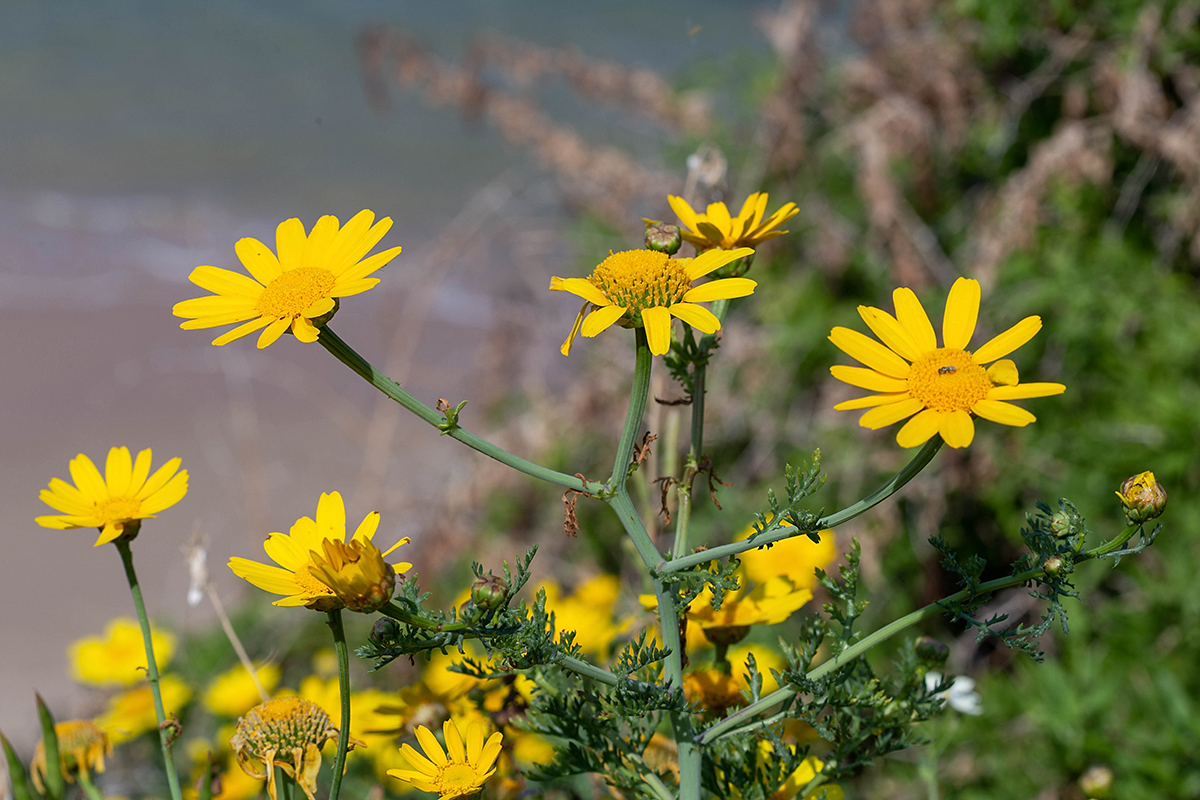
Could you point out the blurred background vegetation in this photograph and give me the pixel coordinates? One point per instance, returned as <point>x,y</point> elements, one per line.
<point>1051,151</point>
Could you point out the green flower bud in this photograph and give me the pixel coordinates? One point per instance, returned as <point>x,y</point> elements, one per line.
<point>663,237</point>
<point>1097,782</point>
<point>1057,566</point>
<point>490,592</point>
<point>1143,497</point>
<point>1060,524</point>
<point>384,631</point>
<point>931,652</point>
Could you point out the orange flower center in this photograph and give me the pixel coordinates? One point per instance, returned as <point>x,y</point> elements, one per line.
<point>640,279</point>
<point>284,724</point>
<point>295,290</point>
<point>947,379</point>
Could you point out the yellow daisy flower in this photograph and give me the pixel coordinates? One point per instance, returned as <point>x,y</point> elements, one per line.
<point>717,228</point>
<point>769,603</point>
<point>291,290</point>
<point>82,746</point>
<point>301,556</point>
<point>127,493</point>
<point>944,386</point>
<point>646,288</point>
<point>119,657</point>
<point>460,773</point>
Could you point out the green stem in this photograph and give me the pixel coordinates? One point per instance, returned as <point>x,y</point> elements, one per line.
<point>343,659</point>
<point>776,531</point>
<point>1109,546</point>
<point>696,445</point>
<point>164,731</point>
<point>397,613</point>
<point>633,415</point>
<point>733,723</point>
<point>622,505</point>
<point>89,789</point>
<point>344,353</point>
<point>657,787</point>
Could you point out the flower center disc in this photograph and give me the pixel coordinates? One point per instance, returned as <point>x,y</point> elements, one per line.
<point>947,379</point>
<point>119,508</point>
<point>284,724</point>
<point>458,780</point>
<point>295,290</point>
<point>640,279</point>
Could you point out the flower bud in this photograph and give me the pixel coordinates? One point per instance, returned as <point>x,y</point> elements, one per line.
<point>1060,524</point>
<point>490,592</point>
<point>931,652</point>
<point>1143,497</point>
<point>383,631</point>
<point>1097,782</point>
<point>1057,566</point>
<point>663,237</point>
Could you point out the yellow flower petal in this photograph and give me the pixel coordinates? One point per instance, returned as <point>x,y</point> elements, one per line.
<point>658,329</point>
<point>714,259</point>
<point>890,332</point>
<point>304,330</point>
<point>258,260</point>
<point>226,282</point>
<point>580,287</point>
<point>869,352</point>
<point>240,331</point>
<point>289,243</point>
<point>868,379</point>
<point>1008,341</point>
<point>698,317</point>
<point>1004,413</point>
<point>1004,373</point>
<point>565,349</point>
<point>600,320</point>
<point>721,289</point>
<point>957,428</point>
<point>682,210</point>
<point>962,312</point>
<point>920,429</point>
<point>871,401</point>
<point>913,318</point>
<point>454,743</point>
<point>118,470</point>
<point>273,331</point>
<point>882,416</point>
<point>430,745</point>
<point>1025,390</point>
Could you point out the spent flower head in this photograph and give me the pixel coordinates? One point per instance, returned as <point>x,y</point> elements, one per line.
<point>117,502</point>
<point>297,287</point>
<point>945,387</point>
<point>718,228</point>
<point>287,733</point>
<point>82,746</point>
<point>305,566</point>
<point>459,770</point>
<point>118,657</point>
<point>645,288</point>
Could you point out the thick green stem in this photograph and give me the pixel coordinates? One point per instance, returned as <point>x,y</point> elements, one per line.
<point>396,612</point>
<point>343,659</point>
<point>344,353</point>
<point>165,732</point>
<point>776,531</point>
<point>734,722</point>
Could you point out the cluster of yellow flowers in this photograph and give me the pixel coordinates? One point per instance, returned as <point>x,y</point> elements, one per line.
<point>297,288</point>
